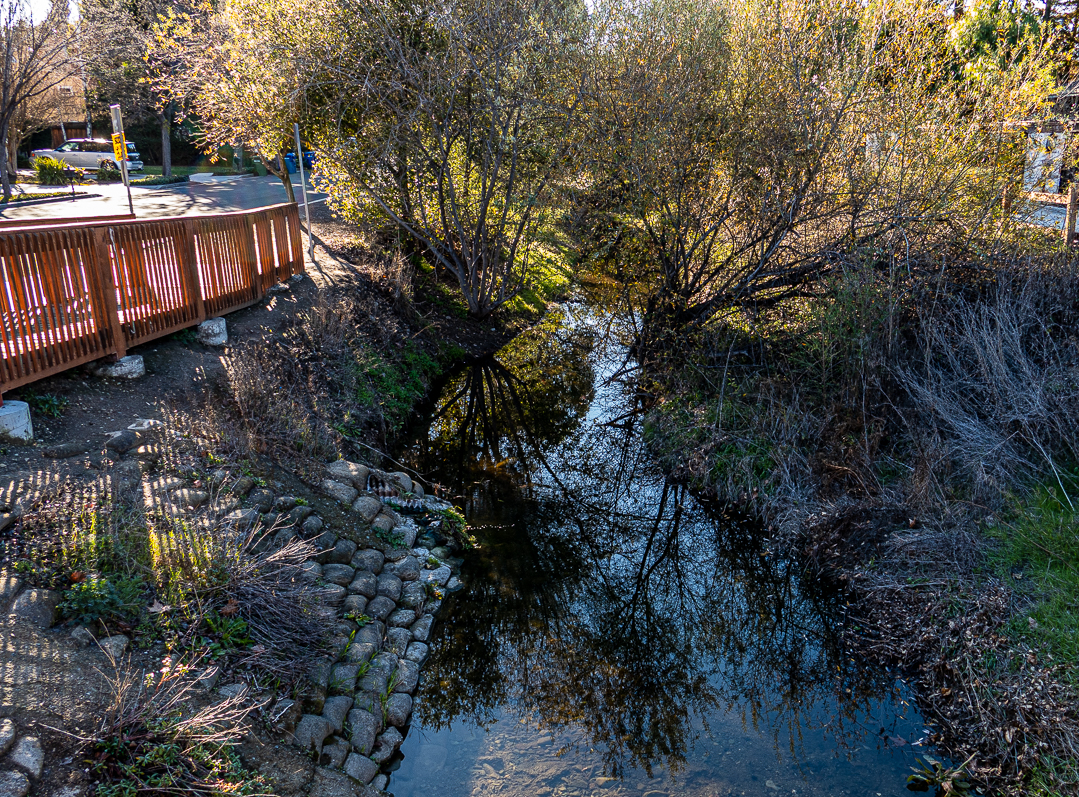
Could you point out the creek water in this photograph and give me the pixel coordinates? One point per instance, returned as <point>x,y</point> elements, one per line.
<point>614,635</point>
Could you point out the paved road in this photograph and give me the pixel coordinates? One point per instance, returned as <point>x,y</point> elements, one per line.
<point>182,199</point>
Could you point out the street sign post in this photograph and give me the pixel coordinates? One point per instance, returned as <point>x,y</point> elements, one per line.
<point>119,150</point>
<point>303,187</point>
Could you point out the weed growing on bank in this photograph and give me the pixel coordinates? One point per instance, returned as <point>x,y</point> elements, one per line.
<point>1036,549</point>
<point>152,740</point>
<point>342,369</point>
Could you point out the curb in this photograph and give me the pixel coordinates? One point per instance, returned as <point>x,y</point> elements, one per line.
<point>24,203</point>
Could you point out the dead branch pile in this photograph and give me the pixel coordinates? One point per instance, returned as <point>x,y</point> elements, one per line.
<point>288,396</point>
<point>921,612</point>
<point>214,569</point>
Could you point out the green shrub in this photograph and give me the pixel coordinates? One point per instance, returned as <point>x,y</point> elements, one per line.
<point>47,404</point>
<point>108,173</point>
<point>50,171</point>
<point>99,598</point>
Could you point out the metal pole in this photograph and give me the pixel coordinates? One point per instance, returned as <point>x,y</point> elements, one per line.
<point>303,187</point>
<point>118,128</point>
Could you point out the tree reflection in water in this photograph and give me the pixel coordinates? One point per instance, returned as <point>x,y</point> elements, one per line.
<point>604,602</point>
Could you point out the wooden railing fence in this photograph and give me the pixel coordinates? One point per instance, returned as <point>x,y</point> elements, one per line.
<point>73,293</point>
<point>1070,201</point>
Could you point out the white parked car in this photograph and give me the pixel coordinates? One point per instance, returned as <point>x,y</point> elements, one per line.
<point>87,153</point>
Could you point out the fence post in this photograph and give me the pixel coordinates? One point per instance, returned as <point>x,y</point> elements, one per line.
<point>189,267</point>
<point>1069,216</point>
<point>250,255</point>
<point>103,264</point>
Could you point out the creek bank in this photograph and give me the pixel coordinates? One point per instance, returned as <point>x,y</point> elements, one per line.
<point>381,554</point>
<point>191,466</point>
<point>925,603</point>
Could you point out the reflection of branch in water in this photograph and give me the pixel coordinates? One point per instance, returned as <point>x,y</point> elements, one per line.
<point>607,604</point>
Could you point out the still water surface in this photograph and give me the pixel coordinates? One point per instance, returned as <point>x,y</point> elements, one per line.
<point>615,637</point>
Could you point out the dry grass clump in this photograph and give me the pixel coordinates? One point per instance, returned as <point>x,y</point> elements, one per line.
<point>233,580</point>
<point>156,740</point>
<point>994,389</point>
<point>340,370</point>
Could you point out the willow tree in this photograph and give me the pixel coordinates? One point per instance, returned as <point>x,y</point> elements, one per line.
<point>456,121</point>
<point>754,140</point>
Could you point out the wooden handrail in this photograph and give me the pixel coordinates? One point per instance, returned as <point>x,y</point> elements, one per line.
<point>7,224</point>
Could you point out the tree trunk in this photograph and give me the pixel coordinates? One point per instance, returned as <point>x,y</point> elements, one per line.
<point>166,142</point>
<point>5,178</point>
<point>11,160</point>
<point>276,167</point>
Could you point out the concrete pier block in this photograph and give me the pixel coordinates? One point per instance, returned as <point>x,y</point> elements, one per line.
<point>15,422</point>
<point>129,367</point>
<point>144,425</point>
<point>213,332</point>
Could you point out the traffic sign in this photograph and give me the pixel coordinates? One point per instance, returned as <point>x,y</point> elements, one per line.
<point>119,147</point>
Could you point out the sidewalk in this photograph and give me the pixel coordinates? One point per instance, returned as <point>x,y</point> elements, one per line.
<point>179,199</point>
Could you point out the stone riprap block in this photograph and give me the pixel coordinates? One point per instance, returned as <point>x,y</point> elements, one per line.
<point>334,755</point>
<point>7,736</point>
<point>37,607</point>
<point>417,652</point>
<point>144,426</point>
<point>213,332</point>
<point>369,559</point>
<point>367,508</point>
<point>15,784</point>
<point>398,709</point>
<point>397,640</point>
<point>349,472</point>
<point>114,646</point>
<point>311,732</point>
<point>65,450</point>
<point>361,768</point>
<point>343,493</point>
<point>365,728</point>
<point>336,710</point>
<point>386,745</point>
<point>15,423</point>
<point>9,588</point>
<point>28,756</point>
<point>129,367</point>
<point>390,586</point>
